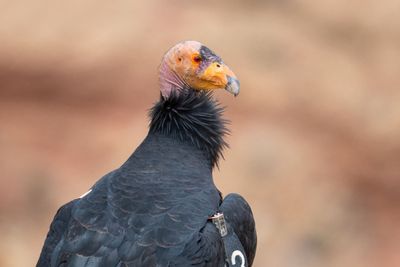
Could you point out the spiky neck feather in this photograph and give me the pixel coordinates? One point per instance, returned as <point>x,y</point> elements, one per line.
<point>192,116</point>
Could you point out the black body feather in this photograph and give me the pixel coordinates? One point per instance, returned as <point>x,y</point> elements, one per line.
<point>192,116</point>
<point>154,209</point>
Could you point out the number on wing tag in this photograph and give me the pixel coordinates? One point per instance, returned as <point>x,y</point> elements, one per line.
<point>235,254</point>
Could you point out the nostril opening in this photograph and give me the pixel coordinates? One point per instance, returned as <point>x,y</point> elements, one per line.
<point>218,65</point>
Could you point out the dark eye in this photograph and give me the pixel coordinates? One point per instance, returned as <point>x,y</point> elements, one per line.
<point>197,58</point>
<point>218,65</point>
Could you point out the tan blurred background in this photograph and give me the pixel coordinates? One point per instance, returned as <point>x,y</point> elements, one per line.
<point>315,144</point>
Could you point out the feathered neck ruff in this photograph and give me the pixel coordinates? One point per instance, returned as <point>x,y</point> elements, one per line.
<point>192,116</point>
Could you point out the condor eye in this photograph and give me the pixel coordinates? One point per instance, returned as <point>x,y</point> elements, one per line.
<point>197,58</point>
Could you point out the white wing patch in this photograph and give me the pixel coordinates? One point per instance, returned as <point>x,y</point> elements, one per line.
<point>235,254</point>
<point>87,193</point>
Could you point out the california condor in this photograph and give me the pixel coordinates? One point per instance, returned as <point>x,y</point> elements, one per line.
<point>161,207</point>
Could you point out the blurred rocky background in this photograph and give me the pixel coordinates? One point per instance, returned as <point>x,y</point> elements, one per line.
<point>315,144</point>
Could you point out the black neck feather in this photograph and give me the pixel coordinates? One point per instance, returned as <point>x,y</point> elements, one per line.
<point>192,116</point>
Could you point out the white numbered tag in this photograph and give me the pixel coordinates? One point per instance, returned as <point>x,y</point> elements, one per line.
<point>235,254</point>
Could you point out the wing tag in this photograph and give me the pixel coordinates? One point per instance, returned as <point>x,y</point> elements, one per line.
<point>219,220</point>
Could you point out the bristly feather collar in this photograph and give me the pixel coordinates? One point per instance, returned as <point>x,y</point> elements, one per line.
<point>193,116</point>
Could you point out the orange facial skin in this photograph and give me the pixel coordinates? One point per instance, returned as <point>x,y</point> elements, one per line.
<point>199,68</point>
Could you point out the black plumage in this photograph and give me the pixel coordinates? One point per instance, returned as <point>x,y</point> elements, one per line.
<point>156,209</point>
<point>194,117</point>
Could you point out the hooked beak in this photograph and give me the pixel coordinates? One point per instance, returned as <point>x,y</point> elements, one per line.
<point>233,86</point>
<point>219,76</point>
<point>231,82</point>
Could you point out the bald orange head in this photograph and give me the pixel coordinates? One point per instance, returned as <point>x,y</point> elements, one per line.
<point>190,64</point>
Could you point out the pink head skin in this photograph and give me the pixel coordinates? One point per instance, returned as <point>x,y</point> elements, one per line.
<point>190,64</point>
